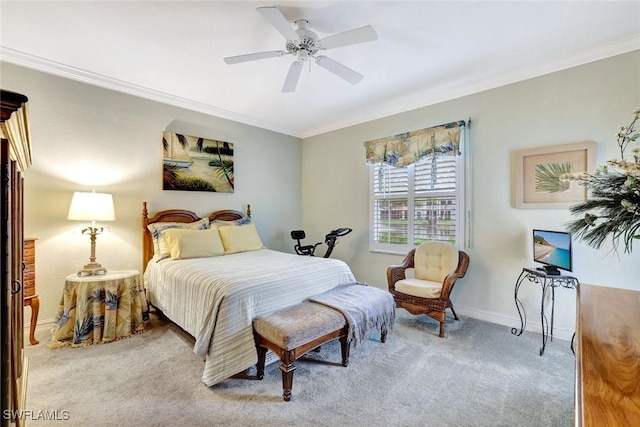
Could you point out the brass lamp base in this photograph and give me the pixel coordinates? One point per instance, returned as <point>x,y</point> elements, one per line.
<point>91,269</point>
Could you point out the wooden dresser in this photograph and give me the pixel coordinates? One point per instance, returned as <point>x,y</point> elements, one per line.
<point>607,357</point>
<point>15,158</point>
<point>29,283</point>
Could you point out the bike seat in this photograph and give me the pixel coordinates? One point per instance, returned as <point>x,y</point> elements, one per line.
<point>299,247</point>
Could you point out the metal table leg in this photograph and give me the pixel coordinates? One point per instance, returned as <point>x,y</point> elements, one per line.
<point>519,306</point>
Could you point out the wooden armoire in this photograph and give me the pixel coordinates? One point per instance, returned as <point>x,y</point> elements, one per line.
<point>16,157</point>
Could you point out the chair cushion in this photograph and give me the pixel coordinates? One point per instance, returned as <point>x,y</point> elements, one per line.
<point>434,261</point>
<point>419,288</point>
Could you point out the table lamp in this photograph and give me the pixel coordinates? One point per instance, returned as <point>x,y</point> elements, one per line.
<point>92,207</point>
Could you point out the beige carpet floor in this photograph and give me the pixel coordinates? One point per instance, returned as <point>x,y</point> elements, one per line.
<point>479,375</point>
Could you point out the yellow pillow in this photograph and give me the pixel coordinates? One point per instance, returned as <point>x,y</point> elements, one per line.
<point>160,248</point>
<point>240,238</point>
<point>186,243</point>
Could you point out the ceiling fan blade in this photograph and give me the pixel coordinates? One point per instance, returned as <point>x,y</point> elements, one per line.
<point>339,70</point>
<point>279,22</point>
<point>358,35</point>
<point>291,82</point>
<point>254,56</point>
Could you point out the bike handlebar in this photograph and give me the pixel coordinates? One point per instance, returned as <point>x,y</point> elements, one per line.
<point>339,232</point>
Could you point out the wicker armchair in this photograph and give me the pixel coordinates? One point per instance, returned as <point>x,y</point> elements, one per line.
<point>437,266</point>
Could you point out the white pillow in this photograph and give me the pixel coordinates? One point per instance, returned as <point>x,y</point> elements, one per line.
<point>160,248</point>
<point>240,221</point>
<point>186,243</point>
<point>240,238</point>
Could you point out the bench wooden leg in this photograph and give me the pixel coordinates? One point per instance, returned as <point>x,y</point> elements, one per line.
<point>383,337</point>
<point>288,357</point>
<point>287,367</point>
<point>262,356</point>
<point>344,346</point>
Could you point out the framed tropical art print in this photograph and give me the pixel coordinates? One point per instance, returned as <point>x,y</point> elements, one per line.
<point>191,163</point>
<point>545,176</point>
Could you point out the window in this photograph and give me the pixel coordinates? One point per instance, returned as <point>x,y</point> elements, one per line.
<point>423,201</point>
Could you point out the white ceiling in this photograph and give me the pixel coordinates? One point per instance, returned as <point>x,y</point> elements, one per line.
<point>426,52</point>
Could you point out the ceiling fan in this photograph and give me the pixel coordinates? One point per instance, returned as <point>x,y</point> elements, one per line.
<point>304,44</point>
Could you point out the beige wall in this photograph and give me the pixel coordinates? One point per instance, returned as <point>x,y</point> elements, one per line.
<point>585,103</point>
<point>85,137</point>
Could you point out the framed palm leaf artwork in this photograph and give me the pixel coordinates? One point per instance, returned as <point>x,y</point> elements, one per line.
<point>191,163</point>
<point>545,177</point>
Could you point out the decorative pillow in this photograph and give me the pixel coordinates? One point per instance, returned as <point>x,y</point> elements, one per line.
<point>240,238</point>
<point>186,243</point>
<point>160,248</point>
<point>241,221</point>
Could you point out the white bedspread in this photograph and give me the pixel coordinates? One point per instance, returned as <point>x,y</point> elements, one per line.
<point>215,299</point>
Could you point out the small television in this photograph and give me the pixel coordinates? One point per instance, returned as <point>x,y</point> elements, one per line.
<point>553,249</point>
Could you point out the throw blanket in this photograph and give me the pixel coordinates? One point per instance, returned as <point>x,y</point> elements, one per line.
<point>364,307</point>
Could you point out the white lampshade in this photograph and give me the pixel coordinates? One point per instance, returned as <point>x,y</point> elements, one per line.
<point>91,207</point>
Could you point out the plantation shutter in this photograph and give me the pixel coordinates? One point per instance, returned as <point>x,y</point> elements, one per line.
<point>391,210</point>
<point>416,184</point>
<point>435,205</point>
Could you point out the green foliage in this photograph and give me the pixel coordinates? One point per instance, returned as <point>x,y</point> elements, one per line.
<point>604,215</point>
<point>173,181</point>
<point>613,209</point>
<point>170,176</point>
<point>190,184</point>
<point>548,177</point>
<point>224,169</point>
<point>224,161</point>
<point>223,150</point>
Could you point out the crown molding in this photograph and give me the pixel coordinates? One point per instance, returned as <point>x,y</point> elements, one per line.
<point>61,70</point>
<point>417,100</point>
<point>429,97</point>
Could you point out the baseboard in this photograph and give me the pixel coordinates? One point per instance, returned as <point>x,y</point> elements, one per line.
<point>487,316</point>
<point>511,321</point>
<point>46,323</point>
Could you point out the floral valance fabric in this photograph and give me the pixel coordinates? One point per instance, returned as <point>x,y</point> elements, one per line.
<point>407,148</point>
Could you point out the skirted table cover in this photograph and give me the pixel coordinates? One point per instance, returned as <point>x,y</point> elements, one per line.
<point>99,309</point>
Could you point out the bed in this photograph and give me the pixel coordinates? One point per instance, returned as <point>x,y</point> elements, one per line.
<point>215,298</point>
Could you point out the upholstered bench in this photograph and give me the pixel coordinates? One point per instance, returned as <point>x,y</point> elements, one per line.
<point>294,331</point>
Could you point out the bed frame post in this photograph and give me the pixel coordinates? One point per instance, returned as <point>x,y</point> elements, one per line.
<point>145,222</point>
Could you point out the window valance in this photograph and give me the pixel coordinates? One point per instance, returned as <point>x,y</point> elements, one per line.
<point>407,148</point>
<point>15,128</point>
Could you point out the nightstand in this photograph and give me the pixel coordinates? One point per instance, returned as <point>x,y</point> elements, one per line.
<point>99,309</point>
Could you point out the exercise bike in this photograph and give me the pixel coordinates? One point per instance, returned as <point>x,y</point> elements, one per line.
<point>331,240</point>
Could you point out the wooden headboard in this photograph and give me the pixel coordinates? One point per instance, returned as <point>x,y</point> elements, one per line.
<point>178,215</point>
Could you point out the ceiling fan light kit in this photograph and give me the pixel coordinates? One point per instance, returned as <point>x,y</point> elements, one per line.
<point>305,44</point>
